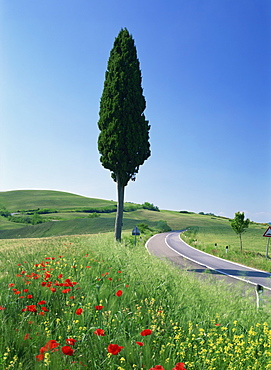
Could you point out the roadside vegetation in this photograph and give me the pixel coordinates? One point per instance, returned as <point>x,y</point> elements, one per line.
<point>86,302</point>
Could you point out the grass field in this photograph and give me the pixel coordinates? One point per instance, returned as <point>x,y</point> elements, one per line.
<point>204,230</point>
<point>33,199</point>
<point>84,302</point>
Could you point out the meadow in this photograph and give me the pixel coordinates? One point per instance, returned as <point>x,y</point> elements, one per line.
<point>86,302</point>
<point>74,299</point>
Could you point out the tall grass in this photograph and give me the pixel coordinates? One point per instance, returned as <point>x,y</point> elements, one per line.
<point>214,240</point>
<point>57,292</point>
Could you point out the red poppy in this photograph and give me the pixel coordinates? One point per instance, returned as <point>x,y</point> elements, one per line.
<point>45,309</point>
<point>140,344</point>
<point>51,344</point>
<point>119,293</point>
<point>70,341</point>
<point>99,308</point>
<point>67,350</point>
<point>2,308</point>
<point>40,357</point>
<point>31,308</point>
<point>66,290</point>
<point>146,332</point>
<point>42,302</point>
<point>25,290</point>
<point>26,336</point>
<point>157,367</point>
<point>79,311</point>
<point>179,366</point>
<point>99,332</point>
<point>114,348</point>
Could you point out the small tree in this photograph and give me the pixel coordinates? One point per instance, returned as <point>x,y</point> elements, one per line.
<point>124,138</point>
<point>239,225</point>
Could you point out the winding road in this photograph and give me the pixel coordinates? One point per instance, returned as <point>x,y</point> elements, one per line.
<point>170,246</point>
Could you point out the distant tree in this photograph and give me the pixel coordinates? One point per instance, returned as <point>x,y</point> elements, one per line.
<point>36,219</point>
<point>239,225</point>
<point>4,212</point>
<point>150,207</point>
<point>124,138</point>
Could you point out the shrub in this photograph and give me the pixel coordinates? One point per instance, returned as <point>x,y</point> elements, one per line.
<point>4,212</point>
<point>150,207</point>
<point>94,215</point>
<point>162,226</point>
<point>143,227</point>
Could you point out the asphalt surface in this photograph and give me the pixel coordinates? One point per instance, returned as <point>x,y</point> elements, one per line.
<point>169,246</point>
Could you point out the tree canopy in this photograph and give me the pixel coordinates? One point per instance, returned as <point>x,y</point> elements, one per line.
<point>123,141</point>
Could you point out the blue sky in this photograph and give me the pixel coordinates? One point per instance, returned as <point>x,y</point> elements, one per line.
<point>206,75</point>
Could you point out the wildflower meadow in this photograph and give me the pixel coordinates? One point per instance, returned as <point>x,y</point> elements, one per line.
<point>85,302</point>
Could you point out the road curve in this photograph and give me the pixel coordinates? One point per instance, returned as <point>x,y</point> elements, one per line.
<point>169,245</point>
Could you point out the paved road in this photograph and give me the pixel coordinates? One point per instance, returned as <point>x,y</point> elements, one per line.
<point>170,246</point>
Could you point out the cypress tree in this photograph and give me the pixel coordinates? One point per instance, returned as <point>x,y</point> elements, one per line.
<point>124,132</point>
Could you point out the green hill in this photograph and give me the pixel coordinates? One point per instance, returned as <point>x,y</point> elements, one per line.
<point>32,199</point>
<point>70,214</point>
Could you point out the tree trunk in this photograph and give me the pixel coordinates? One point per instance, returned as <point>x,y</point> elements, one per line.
<point>241,244</point>
<point>119,215</point>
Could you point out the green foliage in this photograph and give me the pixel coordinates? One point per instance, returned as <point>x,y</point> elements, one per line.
<point>107,209</point>
<point>34,219</point>
<point>45,211</point>
<point>150,207</point>
<point>131,207</point>
<point>94,215</point>
<point>37,219</point>
<point>123,141</point>
<point>143,227</point>
<point>207,214</point>
<point>4,212</point>
<point>239,225</point>
<point>162,226</point>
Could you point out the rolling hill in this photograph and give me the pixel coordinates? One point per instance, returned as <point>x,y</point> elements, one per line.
<point>70,214</point>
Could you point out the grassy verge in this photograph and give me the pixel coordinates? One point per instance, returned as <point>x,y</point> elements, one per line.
<point>214,238</point>
<point>66,301</point>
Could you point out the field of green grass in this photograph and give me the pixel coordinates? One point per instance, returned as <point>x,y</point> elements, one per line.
<point>72,298</point>
<point>32,199</point>
<point>206,232</point>
<point>86,302</point>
